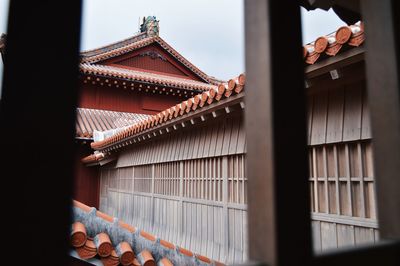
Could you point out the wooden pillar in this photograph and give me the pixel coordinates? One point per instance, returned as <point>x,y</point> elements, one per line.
<point>37,115</point>
<point>278,208</point>
<point>382,66</point>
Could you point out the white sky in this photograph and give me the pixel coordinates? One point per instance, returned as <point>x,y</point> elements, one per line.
<point>209,33</point>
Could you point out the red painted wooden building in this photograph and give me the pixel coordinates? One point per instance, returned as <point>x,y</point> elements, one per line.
<point>124,82</point>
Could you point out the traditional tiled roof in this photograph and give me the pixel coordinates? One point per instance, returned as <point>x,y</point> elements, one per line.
<point>159,79</point>
<point>224,90</point>
<point>114,242</point>
<point>88,120</point>
<point>331,44</point>
<point>136,42</point>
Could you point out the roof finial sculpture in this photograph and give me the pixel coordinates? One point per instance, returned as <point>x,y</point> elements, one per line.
<point>150,26</point>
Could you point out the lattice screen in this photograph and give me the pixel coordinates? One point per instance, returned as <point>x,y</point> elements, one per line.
<point>237,183</point>
<point>167,178</point>
<point>341,179</point>
<point>143,178</point>
<point>202,179</point>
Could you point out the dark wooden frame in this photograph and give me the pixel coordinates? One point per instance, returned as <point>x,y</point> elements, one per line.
<point>40,81</point>
<point>39,89</point>
<point>279,219</point>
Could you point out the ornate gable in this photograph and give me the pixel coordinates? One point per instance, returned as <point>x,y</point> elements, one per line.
<point>154,59</point>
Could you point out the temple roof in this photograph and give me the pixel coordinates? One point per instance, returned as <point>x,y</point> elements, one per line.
<point>141,40</point>
<point>329,45</point>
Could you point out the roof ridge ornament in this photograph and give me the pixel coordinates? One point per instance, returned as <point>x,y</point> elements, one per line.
<point>150,25</point>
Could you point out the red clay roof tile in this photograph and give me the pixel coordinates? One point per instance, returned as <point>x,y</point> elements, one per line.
<point>103,244</point>
<point>330,45</point>
<point>112,260</point>
<point>78,234</point>
<point>104,216</point>
<point>203,258</point>
<point>165,262</point>
<point>147,236</point>
<point>146,259</point>
<point>167,244</point>
<point>128,227</point>
<point>87,251</point>
<point>186,252</point>
<point>125,252</point>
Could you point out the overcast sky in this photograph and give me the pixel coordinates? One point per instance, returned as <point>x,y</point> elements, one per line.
<point>209,33</point>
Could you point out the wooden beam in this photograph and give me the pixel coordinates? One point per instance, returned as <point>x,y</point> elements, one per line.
<point>340,60</point>
<point>276,135</point>
<point>382,66</point>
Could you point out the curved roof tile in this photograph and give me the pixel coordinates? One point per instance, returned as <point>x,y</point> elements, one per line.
<point>331,44</point>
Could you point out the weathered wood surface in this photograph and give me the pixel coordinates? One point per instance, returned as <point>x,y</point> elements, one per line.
<point>339,114</point>
<point>199,204</point>
<point>222,137</point>
<point>331,233</point>
<point>188,186</point>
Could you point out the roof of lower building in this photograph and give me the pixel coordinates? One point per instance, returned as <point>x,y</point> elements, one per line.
<point>89,120</point>
<point>114,242</point>
<point>224,90</point>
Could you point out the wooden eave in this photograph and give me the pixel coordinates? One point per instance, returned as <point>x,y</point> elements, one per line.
<point>226,105</point>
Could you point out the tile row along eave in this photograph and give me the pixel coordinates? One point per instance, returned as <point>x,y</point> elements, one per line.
<point>330,45</point>
<point>145,77</point>
<point>96,234</point>
<point>93,158</point>
<point>224,90</point>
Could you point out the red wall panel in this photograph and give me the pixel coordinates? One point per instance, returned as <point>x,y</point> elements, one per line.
<point>123,100</point>
<point>86,179</point>
<point>149,63</point>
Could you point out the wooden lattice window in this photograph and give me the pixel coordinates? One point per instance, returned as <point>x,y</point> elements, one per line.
<point>341,179</point>
<point>167,178</point>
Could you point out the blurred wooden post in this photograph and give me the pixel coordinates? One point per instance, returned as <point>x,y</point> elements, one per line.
<point>278,207</point>
<point>37,117</point>
<point>382,66</point>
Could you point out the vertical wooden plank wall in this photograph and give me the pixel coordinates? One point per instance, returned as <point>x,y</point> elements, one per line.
<point>188,188</point>
<point>341,169</point>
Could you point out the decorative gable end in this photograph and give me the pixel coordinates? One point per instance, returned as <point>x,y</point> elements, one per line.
<point>151,58</point>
